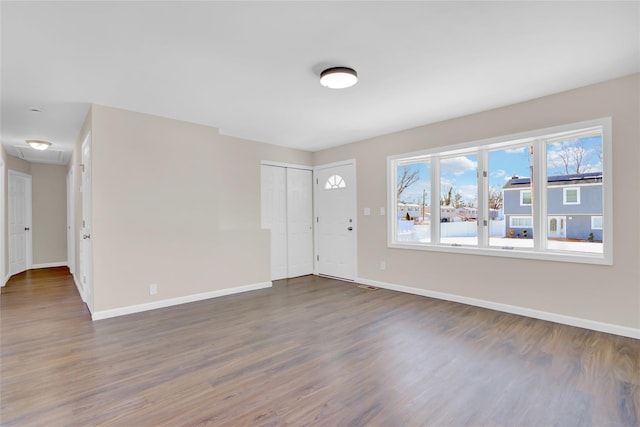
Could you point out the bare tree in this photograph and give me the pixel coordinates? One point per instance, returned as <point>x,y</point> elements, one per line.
<point>572,159</point>
<point>457,201</point>
<point>446,200</point>
<point>407,179</point>
<point>495,198</point>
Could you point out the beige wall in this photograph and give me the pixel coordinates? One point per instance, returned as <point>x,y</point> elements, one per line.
<point>609,294</point>
<point>176,204</point>
<point>49,220</point>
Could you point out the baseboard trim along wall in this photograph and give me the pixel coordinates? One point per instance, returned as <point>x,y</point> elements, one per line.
<point>105,314</point>
<point>537,314</point>
<point>49,265</point>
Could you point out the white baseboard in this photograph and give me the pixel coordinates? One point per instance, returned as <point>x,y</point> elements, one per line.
<point>105,314</point>
<point>80,289</point>
<point>49,265</point>
<point>609,328</point>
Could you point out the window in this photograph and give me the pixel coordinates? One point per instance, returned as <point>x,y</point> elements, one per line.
<point>334,182</point>
<point>520,222</point>
<point>571,196</point>
<point>540,194</point>
<point>596,222</point>
<point>525,197</point>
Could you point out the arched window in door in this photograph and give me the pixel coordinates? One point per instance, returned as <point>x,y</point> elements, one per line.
<point>334,182</point>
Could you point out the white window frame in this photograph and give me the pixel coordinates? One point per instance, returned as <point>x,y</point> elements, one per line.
<point>536,138</point>
<point>564,195</point>
<point>593,225</point>
<point>528,217</point>
<point>522,193</point>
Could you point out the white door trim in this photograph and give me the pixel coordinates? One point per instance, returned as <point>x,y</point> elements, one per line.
<point>71,229</point>
<point>285,165</point>
<point>3,225</point>
<point>316,249</point>
<point>28,219</point>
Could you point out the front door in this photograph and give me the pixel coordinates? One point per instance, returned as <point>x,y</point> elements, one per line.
<point>557,227</point>
<point>336,221</point>
<point>19,222</point>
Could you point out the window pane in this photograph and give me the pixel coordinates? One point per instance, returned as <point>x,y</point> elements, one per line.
<point>412,196</point>
<point>459,200</point>
<point>574,194</point>
<point>510,201</point>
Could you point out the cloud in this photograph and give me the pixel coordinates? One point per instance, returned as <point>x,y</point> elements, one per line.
<point>516,150</point>
<point>499,173</point>
<point>457,165</point>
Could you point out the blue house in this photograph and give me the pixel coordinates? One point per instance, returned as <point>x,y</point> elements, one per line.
<point>574,206</point>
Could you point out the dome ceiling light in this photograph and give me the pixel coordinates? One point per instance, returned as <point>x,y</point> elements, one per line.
<point>38,145</point>
<point>338,77</point>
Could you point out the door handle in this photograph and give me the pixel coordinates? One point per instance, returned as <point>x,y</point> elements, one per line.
<point>26,229</point>
<point>86,236</point>
<point>350,228</point>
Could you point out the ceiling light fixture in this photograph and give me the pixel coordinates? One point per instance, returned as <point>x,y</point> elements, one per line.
<point>38,145</point>
<point>338,77</point>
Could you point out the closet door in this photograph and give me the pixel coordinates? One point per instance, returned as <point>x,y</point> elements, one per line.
<point>299,222</point>
<point>274,216</point>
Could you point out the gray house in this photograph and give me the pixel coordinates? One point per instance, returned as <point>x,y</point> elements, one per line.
<point>574,206</point>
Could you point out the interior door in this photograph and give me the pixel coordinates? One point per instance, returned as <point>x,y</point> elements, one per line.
<point>336,221</point>
<point>299,222</point>
<point>274,216</point>
<point>19,222</point>
<point>71,253</point>
<point>86,246</point>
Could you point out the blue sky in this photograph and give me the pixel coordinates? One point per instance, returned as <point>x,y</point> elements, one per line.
<point>460,172</point>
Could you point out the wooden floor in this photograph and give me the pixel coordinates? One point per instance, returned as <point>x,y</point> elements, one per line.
<point>309,351</point>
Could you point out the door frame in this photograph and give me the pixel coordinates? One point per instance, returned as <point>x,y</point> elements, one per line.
<point>316,240</point>
<point>3,226</point>
<point>29,218</point>
<point>71,229</point>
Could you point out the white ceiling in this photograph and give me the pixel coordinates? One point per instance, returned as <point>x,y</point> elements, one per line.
<point>251,68</point>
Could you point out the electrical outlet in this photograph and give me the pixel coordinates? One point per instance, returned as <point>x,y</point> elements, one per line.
<point>382,211</point>
<point>383,265</point>
<point>153,289</point>
<point>367,211</point>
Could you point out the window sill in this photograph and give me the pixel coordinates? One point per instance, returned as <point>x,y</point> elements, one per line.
<point>573,257</point>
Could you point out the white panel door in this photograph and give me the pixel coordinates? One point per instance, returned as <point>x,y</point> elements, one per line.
<point>274,216</point>
<point>86,246</point>
<point>71,253</point>
<point>19,222</point>
<point>299,222</point>
<point>335,188</point>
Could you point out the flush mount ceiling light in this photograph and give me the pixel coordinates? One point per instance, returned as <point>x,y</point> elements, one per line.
<point>38,145</point>
<point>338,77</point>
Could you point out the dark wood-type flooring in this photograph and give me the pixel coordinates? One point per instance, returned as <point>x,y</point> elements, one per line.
<point>309,351</point>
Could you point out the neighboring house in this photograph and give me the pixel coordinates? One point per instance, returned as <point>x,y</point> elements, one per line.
<point>413,209</point>
<point>574,206</point>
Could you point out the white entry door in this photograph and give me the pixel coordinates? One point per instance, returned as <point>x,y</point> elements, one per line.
<point>336,221</point>
<point>86,246</point>
<point>557,226</point>
<point>19,222</point>
<point>299,222</point>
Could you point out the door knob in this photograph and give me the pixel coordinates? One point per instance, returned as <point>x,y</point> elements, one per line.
<point>26,229</point>
<point>86,236</point>
<point>350,228</point>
